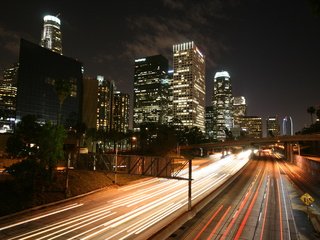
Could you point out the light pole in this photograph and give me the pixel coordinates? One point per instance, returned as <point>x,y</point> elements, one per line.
<point>116,164</point>
<point>133,140</point>
<point>189,185</point>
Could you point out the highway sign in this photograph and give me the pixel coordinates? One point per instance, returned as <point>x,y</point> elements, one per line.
<point>307,199</point>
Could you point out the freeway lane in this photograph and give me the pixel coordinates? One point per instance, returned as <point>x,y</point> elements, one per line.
<point>131,212</point>
<point>256,206</point>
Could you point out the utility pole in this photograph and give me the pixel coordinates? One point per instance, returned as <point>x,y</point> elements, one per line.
<point>67,175</point>
<point>116,164</point>
<point>189,184</point>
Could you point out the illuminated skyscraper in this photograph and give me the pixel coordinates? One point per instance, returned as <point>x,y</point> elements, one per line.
<point>222,104</point>
<point>209,122</point>
<point>121,112</point>
<point>189,85</point>
<point>8,93</point>
<point>51,34</point>
<point>151,90</point>
<point>287,126</point>
<point>239,106</point>
<point>105,103</point>
<point>273,126</point>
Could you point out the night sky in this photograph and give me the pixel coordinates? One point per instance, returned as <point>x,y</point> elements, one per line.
<point>270,48</point>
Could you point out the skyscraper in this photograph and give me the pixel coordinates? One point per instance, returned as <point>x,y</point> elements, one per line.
<point>239,106</point>
<point>287,126</point>
<point>189,85</point>
<point>273,126</point>
<point>51,34</point>
<point>39,70</point>
<point>151,90</point>
<point>8,93</point>
<point>251,126</point>
<point>121,112</point>
<point>209,122</point>
<point>105,103</point>
<point>222,104</point>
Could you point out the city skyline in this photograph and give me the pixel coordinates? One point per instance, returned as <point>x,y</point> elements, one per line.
<point>270,52</point>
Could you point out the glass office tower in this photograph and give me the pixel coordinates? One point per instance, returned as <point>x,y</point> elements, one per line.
<point>39,69</point>
<point>287,126</point>
<point>273,126</point>
<point>105,103</point>
<point>121,112</point>
<point>151,89</point>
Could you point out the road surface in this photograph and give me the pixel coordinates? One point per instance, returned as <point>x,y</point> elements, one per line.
<point>255,206</point>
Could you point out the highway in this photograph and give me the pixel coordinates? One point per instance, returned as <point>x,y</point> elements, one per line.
<point>256,206</point>
<point>132,212</point>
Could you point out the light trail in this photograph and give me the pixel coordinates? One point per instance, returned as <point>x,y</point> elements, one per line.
<point>280,211</point>
<point>96,218</point>
<point>60,224</point>
<point>219,223</point>
<point>75,205</point>
<point>244,201</point>
<point>156,200</point>
<point>207,224</point>
<point>285,203</point>
<point>244,221</point>
<point>265,208</point>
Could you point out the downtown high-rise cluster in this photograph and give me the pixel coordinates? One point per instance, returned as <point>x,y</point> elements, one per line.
<point>162,94</point>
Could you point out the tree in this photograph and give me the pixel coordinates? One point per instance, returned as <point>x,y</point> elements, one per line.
<point>43,144</point>
<point>63,88</point>
<point>311,110</point>
<point>51,141</point>
<point>15,146</point>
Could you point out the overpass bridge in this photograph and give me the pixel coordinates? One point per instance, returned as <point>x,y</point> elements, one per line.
<point>287,141</point>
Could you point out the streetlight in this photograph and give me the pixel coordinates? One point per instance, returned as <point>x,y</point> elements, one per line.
<point>133,139</point>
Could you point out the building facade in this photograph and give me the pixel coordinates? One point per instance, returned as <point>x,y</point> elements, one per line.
<point>8,94</point>
<point>105,103</point>
<point>90,101</point>
<point>151,90</point>
<point>121,112</point>
<point>273,126</point>
<point>239,108</point>
<point>189,85</point>
<point>39,70</point>
<point>251,126</point>
<point>51,34</point>
<point>222,104</point>
<point>209,122</point>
